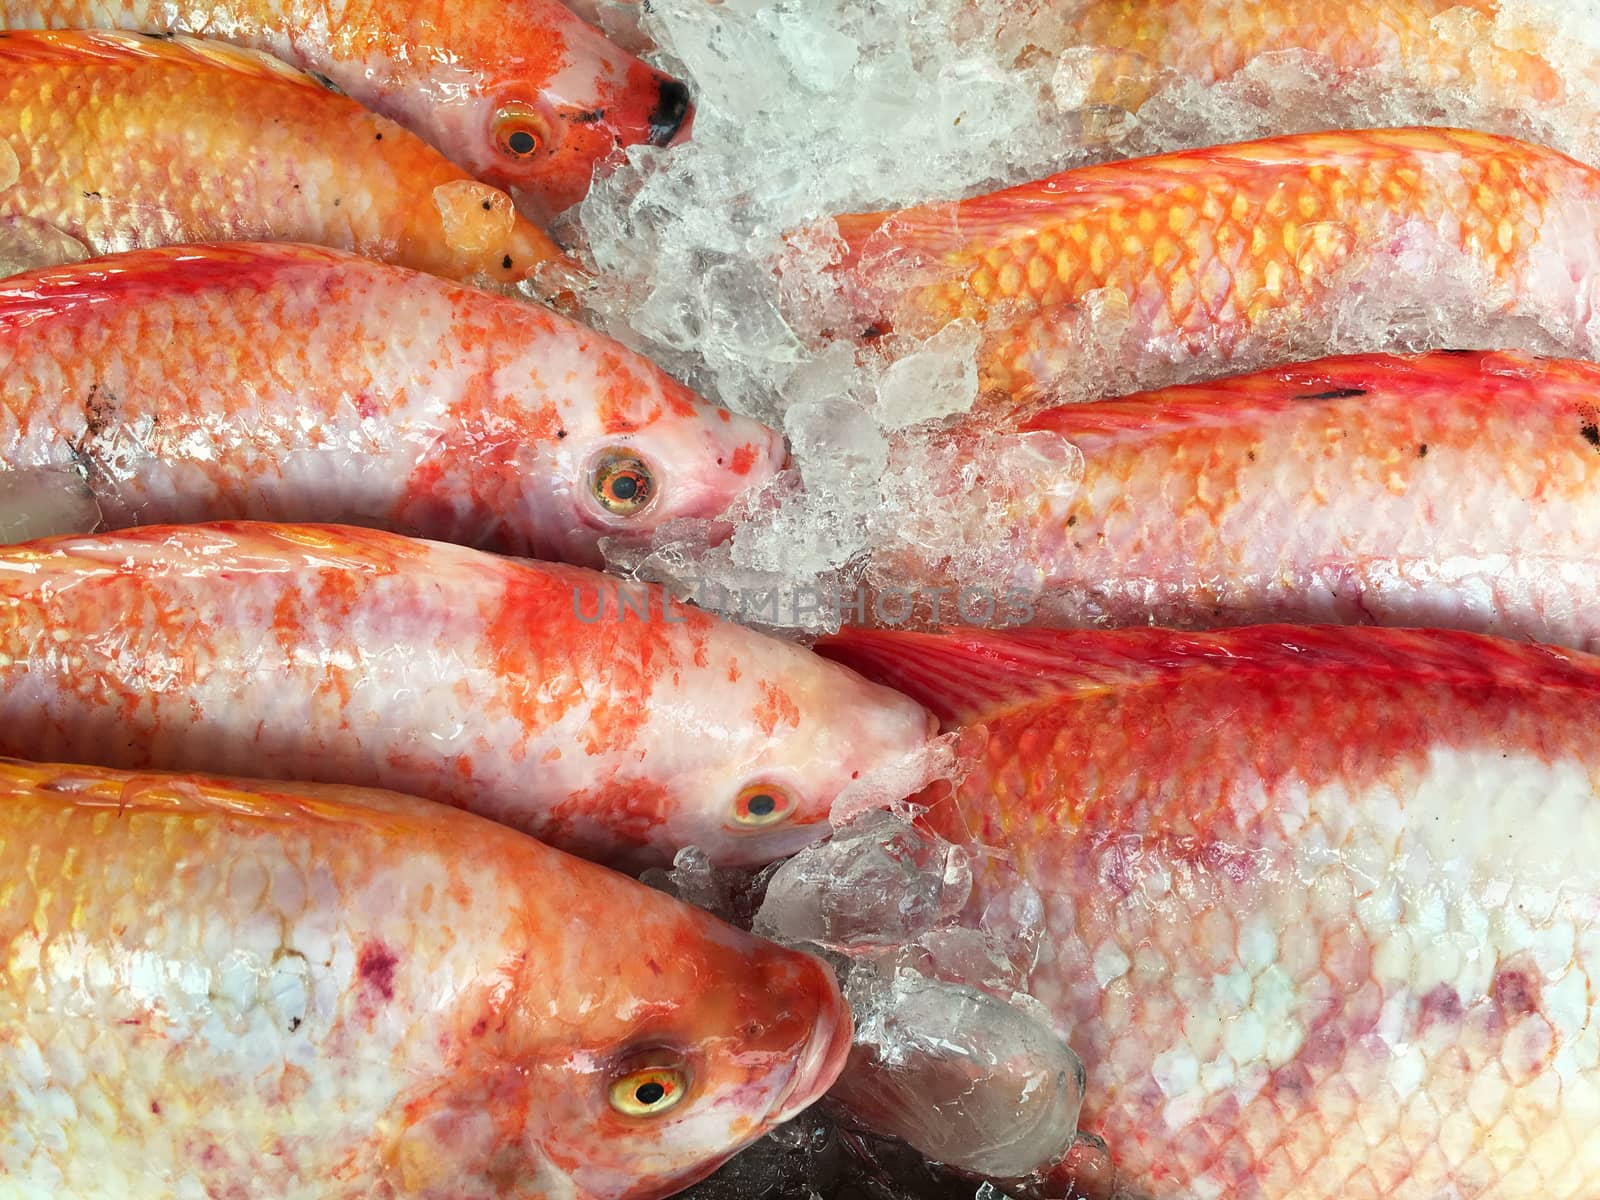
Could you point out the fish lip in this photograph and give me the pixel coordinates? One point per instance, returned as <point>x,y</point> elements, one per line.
<point>823,1057</point>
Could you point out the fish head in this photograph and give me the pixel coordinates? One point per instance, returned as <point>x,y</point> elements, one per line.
<point>551,99</point>
<point>793,736</point>
<point>635,450</point>
<point>691,1041</point>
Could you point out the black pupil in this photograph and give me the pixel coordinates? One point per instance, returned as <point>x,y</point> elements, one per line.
<point>762,805</point>
<point>624,487</point>
<point>649,1093</point>
<point>522,142</point>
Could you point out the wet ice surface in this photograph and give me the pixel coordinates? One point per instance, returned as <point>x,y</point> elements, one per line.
<point>714,259</point>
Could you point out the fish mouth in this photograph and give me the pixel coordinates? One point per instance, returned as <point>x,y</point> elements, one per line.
<point>823,1058</point>
<point>673,115</point>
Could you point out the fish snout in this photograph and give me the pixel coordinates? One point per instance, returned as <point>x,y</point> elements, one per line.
<point>823,1057</point>
<point>673,115</point>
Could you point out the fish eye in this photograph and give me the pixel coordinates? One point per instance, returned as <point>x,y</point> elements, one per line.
<point>761,806</point>
<point>650,1092</point>
<point>519,132</point>
<point>623,483</point>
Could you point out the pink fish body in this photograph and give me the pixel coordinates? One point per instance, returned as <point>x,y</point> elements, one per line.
<point>295,383</point>
<point>559,700</point>
<point>1321,912</point>
<point>1441,490</point>
<point>223,988</point>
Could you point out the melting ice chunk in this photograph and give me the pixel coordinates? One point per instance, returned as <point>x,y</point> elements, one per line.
<point>966,1078</point>
<point>877,882</point>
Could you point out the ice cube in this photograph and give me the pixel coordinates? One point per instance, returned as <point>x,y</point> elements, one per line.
<point>966,1078</point>
<point>878,881</point>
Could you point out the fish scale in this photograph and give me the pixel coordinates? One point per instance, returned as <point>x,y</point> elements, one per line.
<point>1214,250</point>
<point>1319,915</point>
<point>220,987</point>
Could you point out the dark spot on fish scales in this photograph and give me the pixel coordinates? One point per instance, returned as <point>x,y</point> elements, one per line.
<point>588,116</point>
<point>1455,352</point>
<point>376,965</point>
<point>92,196</point>
<point>1333,394</point>
<point>1422,450</point>
<point>1591,434</point>
<point>488,206</point>
<point>505,262</point>
<point>99,410</point>
<point>294,1024</point>
<point>155,1107</point>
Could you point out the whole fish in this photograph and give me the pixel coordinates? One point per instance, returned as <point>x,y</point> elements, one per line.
<point>225,988</point>
<point>1444,490</point>
<point>1320,910</point>
<point>1205,253</point>
<point>523,95</point>
<point>113,141</point>
<point>1485,48</point>
<point>290,382</point>
<point>594,714</point>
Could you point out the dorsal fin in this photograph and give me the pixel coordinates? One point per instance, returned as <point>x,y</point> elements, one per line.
<point>1367,378</point>
<point>967,675</point>
<point>52,291</point>
<point>213,795</point>
<point>77,46</point>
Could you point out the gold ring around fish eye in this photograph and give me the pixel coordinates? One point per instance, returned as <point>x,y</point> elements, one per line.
<point>650,1092</point>
<point>623,483</point>
<point>762,805</point>
<point>519,131</point>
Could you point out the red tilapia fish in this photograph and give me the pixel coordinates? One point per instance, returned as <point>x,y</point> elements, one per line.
<point>524,95</point>
<point>1207,252</point>
<point>293,383</point>
<point>1446,490</point>
<point>588,712</point>
<point>1321,905</point>
<point>1483,48</point>
<point>113,141</point>
<point>316,993</point>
